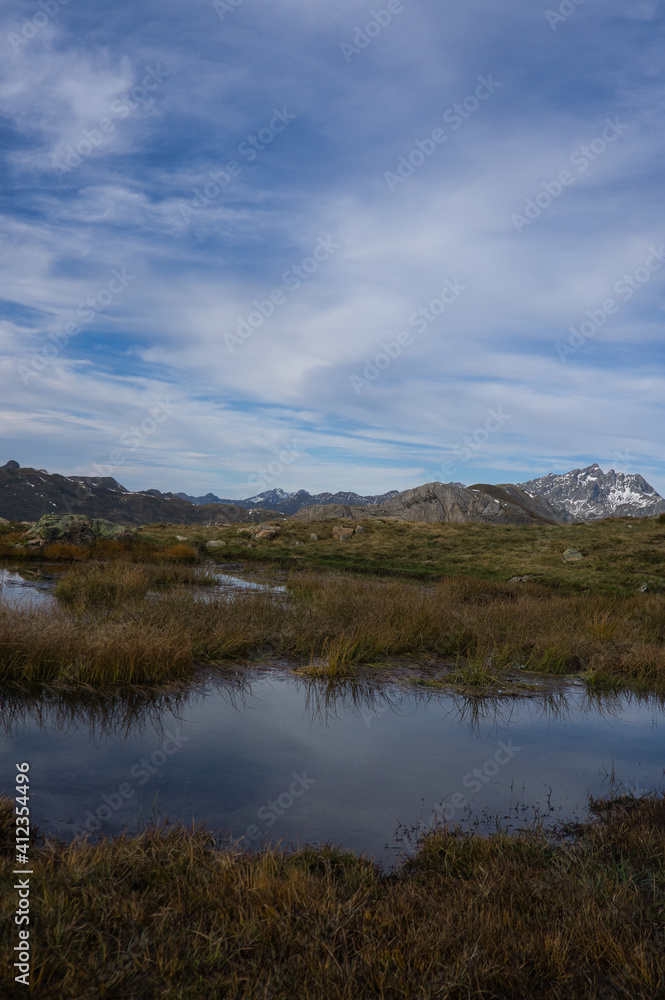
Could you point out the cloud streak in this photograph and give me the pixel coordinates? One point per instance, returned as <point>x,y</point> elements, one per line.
<point>223,87</point>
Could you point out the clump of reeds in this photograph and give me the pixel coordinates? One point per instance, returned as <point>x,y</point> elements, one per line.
<point>105,584</point>
<point>108,584</point>
<point>169,912</point>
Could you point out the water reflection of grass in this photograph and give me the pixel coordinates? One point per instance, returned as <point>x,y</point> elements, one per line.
<point>520,916</point>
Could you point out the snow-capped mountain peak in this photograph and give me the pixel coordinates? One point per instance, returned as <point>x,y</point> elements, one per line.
<point>590,494</point>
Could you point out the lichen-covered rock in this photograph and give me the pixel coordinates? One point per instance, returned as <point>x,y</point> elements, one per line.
<point>572,555</point>
<point>74,529</point>
<point>215,544</point>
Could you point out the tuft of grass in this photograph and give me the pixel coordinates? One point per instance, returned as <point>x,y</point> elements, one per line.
<point>170,913</point>
<point>103,584</point>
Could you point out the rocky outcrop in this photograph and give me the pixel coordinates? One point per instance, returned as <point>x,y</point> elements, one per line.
<point>73,529</point>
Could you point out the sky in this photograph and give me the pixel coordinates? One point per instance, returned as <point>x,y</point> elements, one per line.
<point>258,244</point>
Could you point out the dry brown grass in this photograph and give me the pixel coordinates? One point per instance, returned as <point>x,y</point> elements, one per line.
<point>170,914</point>
<point>334,624</point>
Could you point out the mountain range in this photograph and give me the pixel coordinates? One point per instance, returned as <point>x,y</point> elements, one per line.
<point>581,495</point>
<point>591,494</point>
<point>28,494</point>
<point>291,503</point>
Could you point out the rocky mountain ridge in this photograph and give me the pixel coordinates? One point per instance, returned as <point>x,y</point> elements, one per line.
<point>291,503</point>
<point>590,494</point>
<point>581,495</point>
<point>29,494</point>
<point>449,502</point>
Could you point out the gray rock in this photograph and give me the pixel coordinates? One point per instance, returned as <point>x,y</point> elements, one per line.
<point>216,544</point>
<point>313,537</point>
<point>572,555</point>
<point>74,529</point>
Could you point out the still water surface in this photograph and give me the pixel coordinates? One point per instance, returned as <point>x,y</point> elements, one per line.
<point>268,757</point>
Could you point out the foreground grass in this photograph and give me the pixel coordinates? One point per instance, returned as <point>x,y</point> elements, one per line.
<point>170,914</point>
<point>330,626</point>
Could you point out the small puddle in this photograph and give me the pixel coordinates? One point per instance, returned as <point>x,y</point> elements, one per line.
<point>20,592</point>
<point>268,758</point>
<point>233,583</point>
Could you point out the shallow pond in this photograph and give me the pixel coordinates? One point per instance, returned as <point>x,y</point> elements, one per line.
<point>266,757</point>
<point>22,591</point>
<point>36,587</point>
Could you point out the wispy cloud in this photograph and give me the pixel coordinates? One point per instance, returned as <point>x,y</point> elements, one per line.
<point>67,225</point>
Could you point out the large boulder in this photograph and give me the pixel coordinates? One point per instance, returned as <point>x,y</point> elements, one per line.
<point>341,534</point>
<point>74,529</point>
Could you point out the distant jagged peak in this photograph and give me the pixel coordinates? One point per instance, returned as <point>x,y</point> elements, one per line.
<point>590,494</point>
<point>11,464</point>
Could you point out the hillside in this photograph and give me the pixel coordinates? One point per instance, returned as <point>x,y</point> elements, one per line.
<point>448,502</point>
<point>28,494</point>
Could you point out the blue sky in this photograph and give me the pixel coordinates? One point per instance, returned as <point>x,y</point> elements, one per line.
<point>289,243</point>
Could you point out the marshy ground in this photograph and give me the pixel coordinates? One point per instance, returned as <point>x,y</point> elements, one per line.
<point>170,913</point>
<point>132,613</point>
